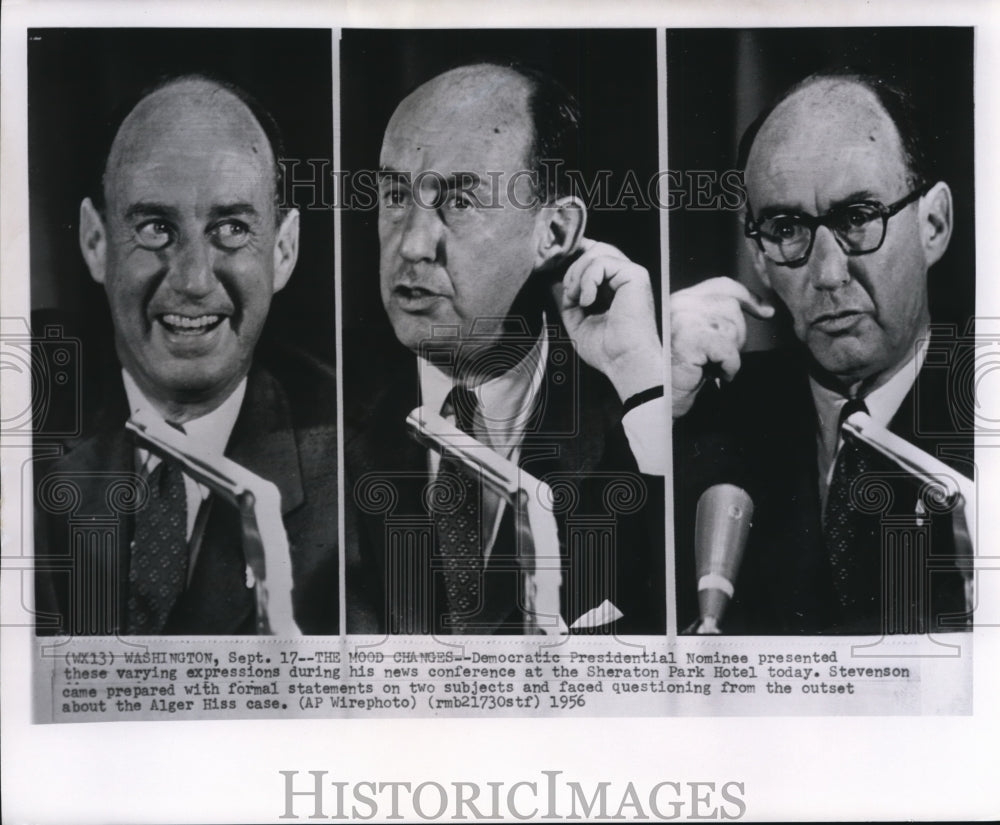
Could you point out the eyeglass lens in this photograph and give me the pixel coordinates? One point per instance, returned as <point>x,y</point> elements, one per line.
<point>858,227</point>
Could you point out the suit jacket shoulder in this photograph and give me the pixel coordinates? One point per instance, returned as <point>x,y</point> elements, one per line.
<point>761,433</point>
<point>85,506</point>
<point>574,442</point>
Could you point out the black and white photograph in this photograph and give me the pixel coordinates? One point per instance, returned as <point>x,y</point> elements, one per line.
<point>183,306</point>
<point>506,286</point>
<point>540,411</point>
<point>834,289</point>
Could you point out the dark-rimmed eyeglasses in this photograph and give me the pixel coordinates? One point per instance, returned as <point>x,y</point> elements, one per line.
<point>787,238</point>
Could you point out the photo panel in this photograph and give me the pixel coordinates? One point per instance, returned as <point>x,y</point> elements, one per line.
<point>499,159</point>
<point>829,172</point>
<point>183,345</point>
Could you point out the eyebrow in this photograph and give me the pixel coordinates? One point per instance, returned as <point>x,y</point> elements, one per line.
<point>152,209</point>
<point>469,180</point>
<point>229,210</point>
<point>149,209</point>
<point>785,209</point>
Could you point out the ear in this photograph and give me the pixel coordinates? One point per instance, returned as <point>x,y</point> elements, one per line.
<point>759,261</point>
<point>93,240</point>
<point>286,248</point>
<point>935,221</point>
<point>559,226</point>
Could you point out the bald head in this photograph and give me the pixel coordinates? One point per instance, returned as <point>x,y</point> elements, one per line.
<point>190,245</point>
<point>188,113</point>
<point>830,115</point>
<point>487,105</point>
<point>856,287</point>
<point>463,219</point>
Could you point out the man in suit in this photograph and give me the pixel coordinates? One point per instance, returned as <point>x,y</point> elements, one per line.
<point>844,220</point>
<point>529,337</point>
<point>189,241</point>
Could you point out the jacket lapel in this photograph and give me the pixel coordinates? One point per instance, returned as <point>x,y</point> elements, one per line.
<point>263,439</point>
<point>97,532</point>
<point>386,472</point>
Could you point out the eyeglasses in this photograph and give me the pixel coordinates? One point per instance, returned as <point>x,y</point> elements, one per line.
<point>787,238</point>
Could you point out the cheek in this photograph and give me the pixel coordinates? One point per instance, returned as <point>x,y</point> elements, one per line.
<point>249,281</point>
<point>491,278</point>
<point>130,279</point>
<point>898,283</point>
<point>793,293</point>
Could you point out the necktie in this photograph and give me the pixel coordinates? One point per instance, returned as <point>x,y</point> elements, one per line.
<point>158,568</point>
<point>852,537</point>
<point>457,517</point>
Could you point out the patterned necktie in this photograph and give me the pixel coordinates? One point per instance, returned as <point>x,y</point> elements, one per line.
<point>158,569</point>
<point>852,537</point>
<point>458,521</point>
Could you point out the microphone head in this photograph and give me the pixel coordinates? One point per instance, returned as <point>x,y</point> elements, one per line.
<point>722,525</point>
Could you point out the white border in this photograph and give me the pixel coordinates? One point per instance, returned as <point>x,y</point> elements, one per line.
<point>794,768</point>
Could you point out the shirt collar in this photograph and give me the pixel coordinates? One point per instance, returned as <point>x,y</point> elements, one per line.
<point>505,403</point>
<point>210,432</point>
<point>882,402</point>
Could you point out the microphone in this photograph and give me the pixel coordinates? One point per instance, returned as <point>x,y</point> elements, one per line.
<point>722,524</point>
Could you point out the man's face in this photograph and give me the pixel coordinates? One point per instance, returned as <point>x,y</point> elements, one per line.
<point>828,145</point>
<point>192,251</point>
<point>444,260</point>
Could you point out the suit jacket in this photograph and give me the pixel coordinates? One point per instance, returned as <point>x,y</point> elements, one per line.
<point>760,433</point>
<point>85,509</point>
<point>610,517</point>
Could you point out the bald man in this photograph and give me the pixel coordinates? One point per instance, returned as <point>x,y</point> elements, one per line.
<point>488,279</point>
<point>190,244</point>
<point>844,220</point>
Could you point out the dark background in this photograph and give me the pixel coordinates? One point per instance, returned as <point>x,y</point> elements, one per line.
<point>718,81</point>
<point>611,73</point>
<point>81,84</point>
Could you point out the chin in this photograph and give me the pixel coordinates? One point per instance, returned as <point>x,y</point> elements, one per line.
<point>410,335</point>
<point>196,380</point>
<point>846,366</point>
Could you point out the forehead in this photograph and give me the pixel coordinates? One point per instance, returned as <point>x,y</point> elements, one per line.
<point>470,119</point>
<point>190,140</point>
<point>827,142</point>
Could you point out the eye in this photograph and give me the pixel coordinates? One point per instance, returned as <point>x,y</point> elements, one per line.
<point>391,196</point>
<point>460,202</point>
<point>459,206</point>
<point>154,234</point>
<point>858,215</point>
<point>782,228</point>
<point>231,234</point>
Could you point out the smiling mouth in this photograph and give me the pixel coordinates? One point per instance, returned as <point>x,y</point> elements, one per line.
<point>177,324</point>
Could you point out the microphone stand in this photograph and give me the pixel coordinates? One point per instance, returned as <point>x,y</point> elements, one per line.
<point>265,543</point>
<point>538,535</point>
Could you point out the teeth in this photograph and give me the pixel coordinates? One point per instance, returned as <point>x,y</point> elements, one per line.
<point>184,322</point>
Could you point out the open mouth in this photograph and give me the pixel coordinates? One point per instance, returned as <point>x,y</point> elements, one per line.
<point>414,292</point>
<point>177,324</point>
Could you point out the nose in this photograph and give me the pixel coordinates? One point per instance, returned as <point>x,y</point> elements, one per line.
<point>191,273</point>
<point>421,234</point>
<point>828,262</point>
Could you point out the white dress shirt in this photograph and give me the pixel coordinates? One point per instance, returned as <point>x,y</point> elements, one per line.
<point>209,434</point>
<point>506,404</point>
<point>882,402</point>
